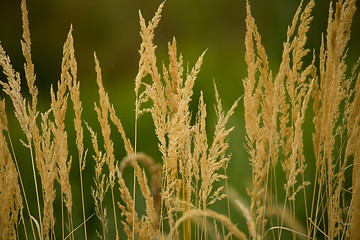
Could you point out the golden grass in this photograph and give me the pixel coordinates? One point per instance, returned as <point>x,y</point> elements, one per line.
<point>192,174</point>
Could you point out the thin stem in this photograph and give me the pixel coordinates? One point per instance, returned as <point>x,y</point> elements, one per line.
<point>102,222</point>
<point>185,234</point>
<point>253,200</point>
<point>77,227</point>
<point>227,198</point>
<point>276,198</point>
<point>24,226</point>
<point>22,187</point>
<point>115,220</point>
<point>62,216</point>
<point>292,208</point>
<point>71,226</point>
<point>135,151</point>
<point>312,203</point>
<point>305,203</point>
<point>82,200</point>
<point>271,204</point>
<point>36,187</point>
<point>282,216</point>
<point>264,198</point>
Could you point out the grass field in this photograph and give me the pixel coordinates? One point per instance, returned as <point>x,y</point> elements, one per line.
<point>69,172</point>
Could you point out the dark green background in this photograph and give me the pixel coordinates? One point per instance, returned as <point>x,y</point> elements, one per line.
<point>111,29</point>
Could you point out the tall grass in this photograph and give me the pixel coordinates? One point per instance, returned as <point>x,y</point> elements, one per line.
<point>179,196</point>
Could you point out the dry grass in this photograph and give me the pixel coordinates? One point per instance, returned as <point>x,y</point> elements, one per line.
<point>192,174</point>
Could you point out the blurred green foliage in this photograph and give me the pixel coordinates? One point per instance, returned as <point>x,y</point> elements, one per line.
<point>110,27</point>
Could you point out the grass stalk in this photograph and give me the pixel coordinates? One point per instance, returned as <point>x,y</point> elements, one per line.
<point>135,151</point>
<point>227,199</point>
<point>83,201</point>
<point>114,208</point>
<point>36,187</point>
<point>62,216</point>
<point>22,187</point>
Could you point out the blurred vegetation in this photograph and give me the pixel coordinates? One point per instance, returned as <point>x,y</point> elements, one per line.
<point>111,28</point>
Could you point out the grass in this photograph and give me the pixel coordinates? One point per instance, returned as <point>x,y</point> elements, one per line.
<point>174,198</point>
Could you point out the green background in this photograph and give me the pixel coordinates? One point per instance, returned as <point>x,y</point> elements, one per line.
<point>111,28</point>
